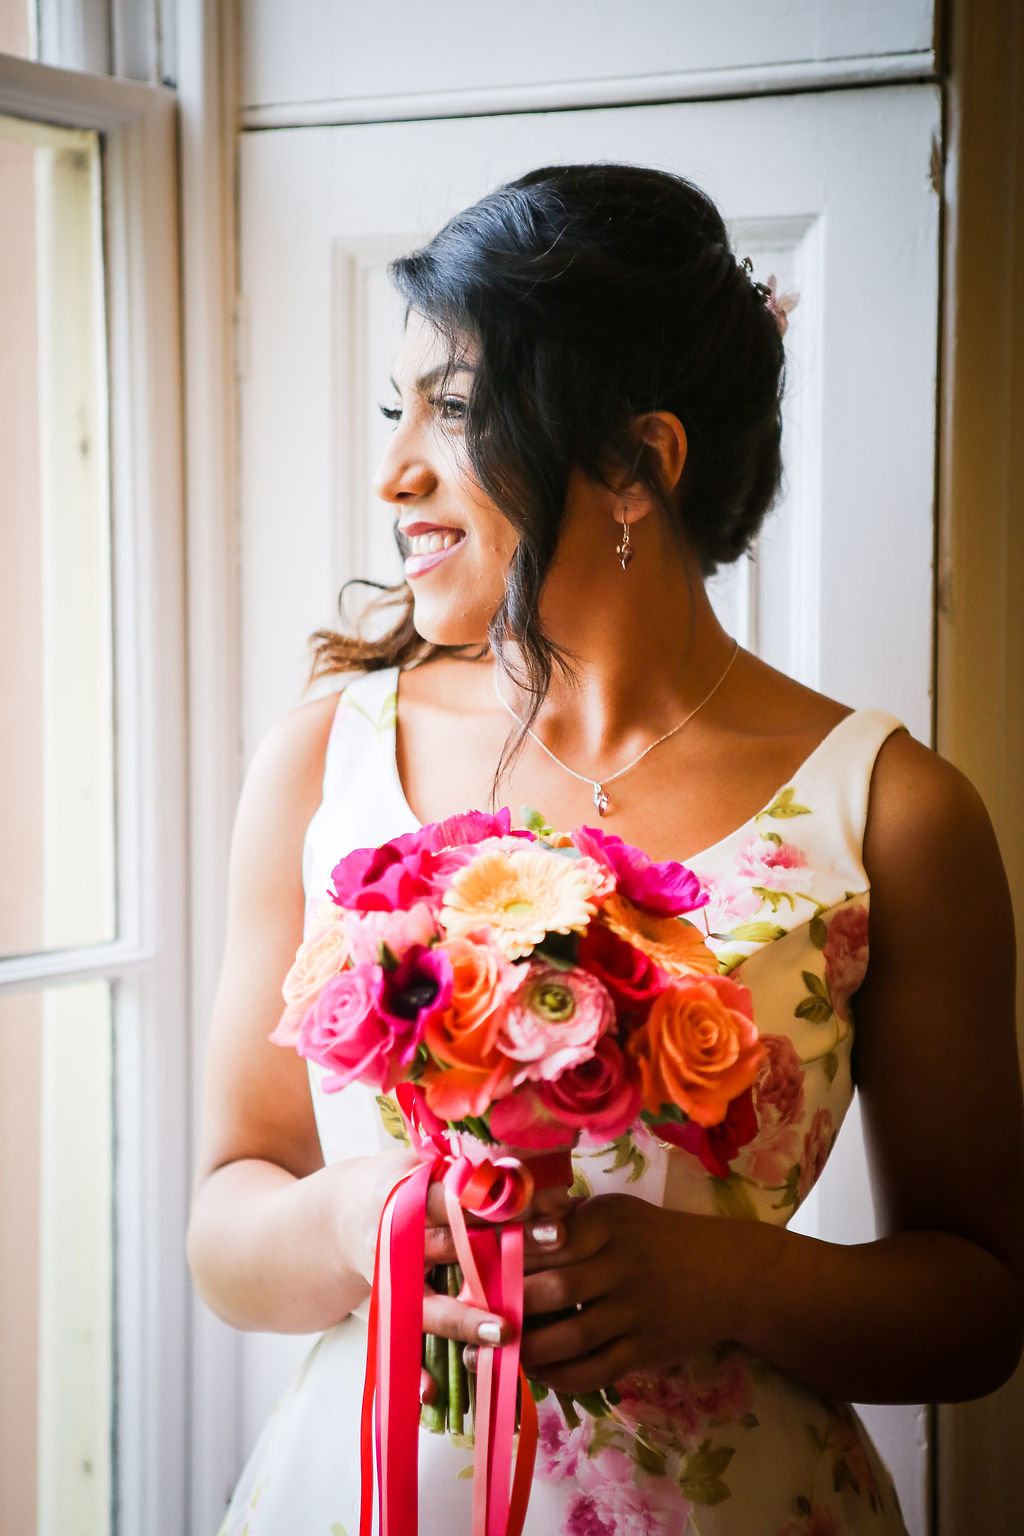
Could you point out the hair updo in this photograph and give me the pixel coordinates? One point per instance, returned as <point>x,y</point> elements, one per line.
<point>594,294</point>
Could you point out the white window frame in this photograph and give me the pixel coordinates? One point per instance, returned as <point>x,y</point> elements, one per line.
<point>147,963</point>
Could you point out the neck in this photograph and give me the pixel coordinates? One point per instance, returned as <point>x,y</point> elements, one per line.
<point>645,650</point>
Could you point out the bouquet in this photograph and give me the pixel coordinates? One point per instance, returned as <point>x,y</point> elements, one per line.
<point>517,989</point>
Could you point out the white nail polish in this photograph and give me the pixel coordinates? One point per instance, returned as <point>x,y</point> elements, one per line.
<point>545,1232</point>
<point>489,1333</point>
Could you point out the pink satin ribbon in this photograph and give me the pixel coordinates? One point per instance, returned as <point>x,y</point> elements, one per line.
<point>491,1258</point>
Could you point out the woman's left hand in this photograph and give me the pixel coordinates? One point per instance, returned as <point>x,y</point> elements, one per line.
<point>653,1286</point>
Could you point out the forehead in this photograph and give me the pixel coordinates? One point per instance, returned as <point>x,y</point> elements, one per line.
<point>424,354</point>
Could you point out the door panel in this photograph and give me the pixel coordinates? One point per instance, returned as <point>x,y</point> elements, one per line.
<point>832,193</point>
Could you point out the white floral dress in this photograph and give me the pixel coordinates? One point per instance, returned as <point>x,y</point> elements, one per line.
<point>724,1445</point>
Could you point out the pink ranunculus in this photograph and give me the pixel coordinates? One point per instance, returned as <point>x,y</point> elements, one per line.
<point>399,930</point>
<point>344,1032</point>
<point>846,955</point>
<point>817,1145</point>
<point>665,889</point>
<point>779,1086</point>
<point>600,1096</point>
<point>775,866</point>
<point>631,977</point>
<point>554,1020</point>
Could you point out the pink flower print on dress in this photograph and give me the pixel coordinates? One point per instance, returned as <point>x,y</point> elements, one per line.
<point>773,1154</point>
<point>615,1500</point>
<point>846,956</point>
<point>560,1451</point>
<point>773,866</point>
<point>820,1522</point>
<point>779,1088</point>
<point>817,1146</point>
<point>729,903</point>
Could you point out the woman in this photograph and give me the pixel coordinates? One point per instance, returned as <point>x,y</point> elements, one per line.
<point>586,425</point>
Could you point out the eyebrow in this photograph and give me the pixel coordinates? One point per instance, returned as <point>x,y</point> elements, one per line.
<point>435,376</point>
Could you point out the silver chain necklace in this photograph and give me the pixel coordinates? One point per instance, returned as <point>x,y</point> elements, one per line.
<point>601,799</point>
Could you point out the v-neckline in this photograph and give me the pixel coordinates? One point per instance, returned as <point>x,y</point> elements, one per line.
<point>703,853</point>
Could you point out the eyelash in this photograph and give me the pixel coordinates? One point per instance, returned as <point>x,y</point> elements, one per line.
<point>452,408</point>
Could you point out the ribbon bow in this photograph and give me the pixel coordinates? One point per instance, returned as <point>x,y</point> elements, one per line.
<point>491,1257</point>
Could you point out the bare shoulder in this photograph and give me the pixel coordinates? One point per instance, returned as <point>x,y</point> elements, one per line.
<point>927,823</point>
<point>283,784</point>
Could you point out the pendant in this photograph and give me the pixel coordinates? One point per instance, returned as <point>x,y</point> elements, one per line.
<point>601,799</point>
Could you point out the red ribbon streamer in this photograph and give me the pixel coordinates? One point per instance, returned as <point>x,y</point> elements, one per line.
<point>491,1258</point>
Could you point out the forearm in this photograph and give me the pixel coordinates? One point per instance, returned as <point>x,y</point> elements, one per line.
<point>278,1253</point>
<point>921,1316</point>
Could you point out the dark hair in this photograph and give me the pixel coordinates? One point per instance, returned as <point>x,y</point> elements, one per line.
<point>594,294</point>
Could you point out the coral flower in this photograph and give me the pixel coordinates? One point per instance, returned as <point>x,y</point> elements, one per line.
<point>520,895</point>
<point>469,1071</point>
<point>672,943</point>
<point>699,1048</point>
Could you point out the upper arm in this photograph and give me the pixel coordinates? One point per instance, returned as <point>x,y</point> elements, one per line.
<point>256,1100</point>
<point>936,1054</point>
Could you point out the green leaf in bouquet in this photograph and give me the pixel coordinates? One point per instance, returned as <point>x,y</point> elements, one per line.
<point>612,1395</point>
<point>474,1125</point>
<point>539,1390</point>
<point>560,950</point>
<point>592,1403</point>
<point>387,959</point>
<point>534,821</point>
<point>568,1407</point>
<point>391,1119</point>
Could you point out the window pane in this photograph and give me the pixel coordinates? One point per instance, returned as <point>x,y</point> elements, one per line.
<point>56,712</point>
<point>56,1280</point>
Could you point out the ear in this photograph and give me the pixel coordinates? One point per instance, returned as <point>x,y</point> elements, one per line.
<point>660,438</point>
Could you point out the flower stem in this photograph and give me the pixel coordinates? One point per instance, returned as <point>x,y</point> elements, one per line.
<point>456,1369</point>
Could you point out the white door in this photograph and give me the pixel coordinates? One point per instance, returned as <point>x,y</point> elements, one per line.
<point>833,193</point>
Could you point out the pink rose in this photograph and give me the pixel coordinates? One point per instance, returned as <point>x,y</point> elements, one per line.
<point>599,1096</point>
<point>846,955</point>
<point>664,889</point>
<point>779,1086</point>
<point>554,1020</point>
<point>775,866</point>
<point>344,1032</point>
<point>817,1146</point>
<point>399,930</point>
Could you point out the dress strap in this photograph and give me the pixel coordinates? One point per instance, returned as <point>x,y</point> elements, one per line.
<point>838,776</point>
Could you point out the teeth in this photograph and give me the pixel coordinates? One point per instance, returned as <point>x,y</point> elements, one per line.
<point>431,543</point>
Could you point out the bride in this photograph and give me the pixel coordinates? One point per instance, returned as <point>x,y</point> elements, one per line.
<point>586,421</point>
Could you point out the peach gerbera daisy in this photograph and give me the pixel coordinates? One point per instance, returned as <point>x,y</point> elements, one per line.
<point>671,942</point>
<point>520,895</point>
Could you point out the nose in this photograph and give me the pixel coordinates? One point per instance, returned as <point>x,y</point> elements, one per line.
<point>403,474</point>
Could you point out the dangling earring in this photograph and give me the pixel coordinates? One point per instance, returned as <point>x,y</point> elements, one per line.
<point>625,550</point>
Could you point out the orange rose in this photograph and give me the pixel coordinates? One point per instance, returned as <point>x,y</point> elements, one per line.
<point>475,1072</point>
<point>699,1047</point>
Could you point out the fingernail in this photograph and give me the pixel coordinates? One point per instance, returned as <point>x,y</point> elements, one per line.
<point>489,1333</point>
<point>545,1232</point>
<point>469,1355</point>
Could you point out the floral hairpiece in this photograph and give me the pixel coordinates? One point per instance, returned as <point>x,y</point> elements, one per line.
<point>779,305</point>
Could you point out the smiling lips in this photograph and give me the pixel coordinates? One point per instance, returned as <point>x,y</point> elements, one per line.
<point>428,545</point>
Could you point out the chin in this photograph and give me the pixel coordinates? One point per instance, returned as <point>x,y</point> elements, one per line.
<point>444,624</point>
